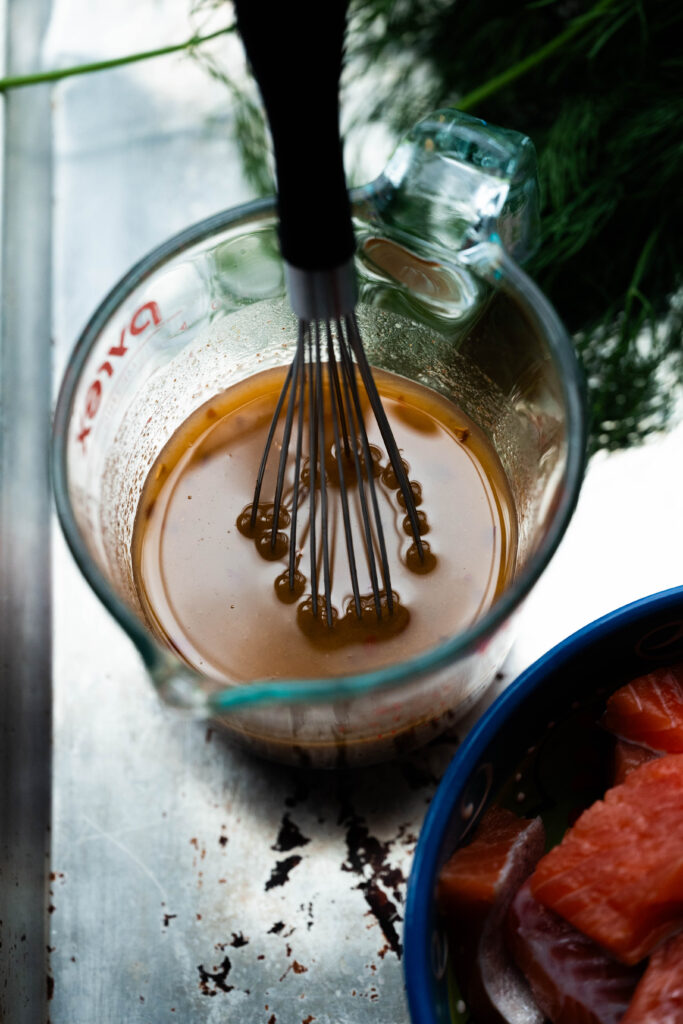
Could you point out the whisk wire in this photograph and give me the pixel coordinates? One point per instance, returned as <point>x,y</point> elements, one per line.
<point>300,381</point>
<point>282,464</point>
<point>335,383</point>
<point>323,479</point>
<point>347,366</point>
<point>269,442</point>
<point>312,466</point>
<point>343,487</point>
<point>385,429</point>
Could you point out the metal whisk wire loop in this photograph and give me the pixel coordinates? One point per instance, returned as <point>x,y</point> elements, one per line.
<point>348,450</point>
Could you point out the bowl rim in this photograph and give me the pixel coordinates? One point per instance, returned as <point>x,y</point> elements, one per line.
<point>162,664</point>
<point>416,964</point>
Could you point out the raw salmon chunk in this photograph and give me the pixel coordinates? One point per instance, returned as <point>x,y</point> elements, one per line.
<point>659,996</point>
<point>470,881</point>
<point>617,875</point>
<point>649,710</point>
<point>474,892</point>
<point>628,756</point>
<point>573,980</point>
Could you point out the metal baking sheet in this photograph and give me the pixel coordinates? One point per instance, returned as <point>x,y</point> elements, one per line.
<point>150,872</point>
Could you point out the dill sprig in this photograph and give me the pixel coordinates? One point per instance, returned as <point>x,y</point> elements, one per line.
<point>597,86</point>
<point>598,89</point>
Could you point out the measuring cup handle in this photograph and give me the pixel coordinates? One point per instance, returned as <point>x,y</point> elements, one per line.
<point>455,180</point>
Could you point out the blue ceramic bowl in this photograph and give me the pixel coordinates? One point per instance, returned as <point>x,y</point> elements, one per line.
<point>524,725</point>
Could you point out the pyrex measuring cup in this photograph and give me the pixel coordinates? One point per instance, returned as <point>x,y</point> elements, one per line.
<point>443,302</point>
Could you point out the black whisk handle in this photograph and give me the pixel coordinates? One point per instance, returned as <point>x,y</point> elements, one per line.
<point>295,48</point>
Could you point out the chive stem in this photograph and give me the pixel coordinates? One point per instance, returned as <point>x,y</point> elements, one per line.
<point>39,77</point>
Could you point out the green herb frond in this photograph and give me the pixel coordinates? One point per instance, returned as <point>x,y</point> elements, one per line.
<point>596,84</point>
<point>597,88</point>
<point>249,125</point>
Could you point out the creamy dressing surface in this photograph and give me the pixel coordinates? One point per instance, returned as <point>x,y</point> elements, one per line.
<point>215,591</point>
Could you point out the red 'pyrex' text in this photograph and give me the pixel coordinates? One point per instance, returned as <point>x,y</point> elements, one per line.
<point>142,318</point>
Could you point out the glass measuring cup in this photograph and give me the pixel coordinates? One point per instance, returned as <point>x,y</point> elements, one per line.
<point>441,301</point>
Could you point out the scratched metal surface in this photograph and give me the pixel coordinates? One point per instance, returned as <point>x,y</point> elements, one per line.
<point>25,683</point>
<point>190,881</point>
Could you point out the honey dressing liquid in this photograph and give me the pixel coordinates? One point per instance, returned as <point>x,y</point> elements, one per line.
<point>213,588</point>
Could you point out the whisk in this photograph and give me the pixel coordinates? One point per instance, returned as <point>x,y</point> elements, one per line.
<point>295,50</point>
